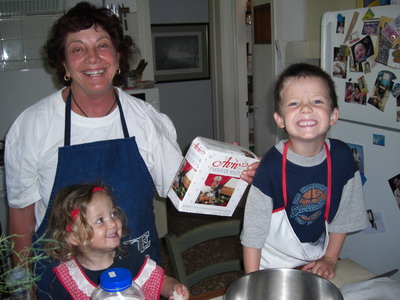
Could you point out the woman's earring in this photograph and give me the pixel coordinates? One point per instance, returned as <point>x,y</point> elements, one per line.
<point>118,71</point>
<point>66,77</point>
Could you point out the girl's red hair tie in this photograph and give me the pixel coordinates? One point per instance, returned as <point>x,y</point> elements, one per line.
<point>98,189</point>
<point>74,215</point>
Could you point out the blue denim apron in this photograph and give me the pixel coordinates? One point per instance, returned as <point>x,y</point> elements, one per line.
<point>119,164</point>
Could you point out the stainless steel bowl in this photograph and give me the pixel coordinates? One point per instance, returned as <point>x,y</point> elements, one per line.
<point>282,284</point>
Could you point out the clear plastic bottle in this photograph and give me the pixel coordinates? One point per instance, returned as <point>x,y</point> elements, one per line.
<point>18,283</point>
<point>115,284</point>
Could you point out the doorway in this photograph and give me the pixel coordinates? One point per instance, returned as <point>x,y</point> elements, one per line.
<point>263,77</point>
<point>230,80</point>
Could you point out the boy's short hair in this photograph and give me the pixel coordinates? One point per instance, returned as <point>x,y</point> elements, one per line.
<point>303,70</point>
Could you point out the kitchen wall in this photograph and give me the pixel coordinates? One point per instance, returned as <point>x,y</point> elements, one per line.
<point>187,103</point>
<point>315,10</point>
<point>23,75</point>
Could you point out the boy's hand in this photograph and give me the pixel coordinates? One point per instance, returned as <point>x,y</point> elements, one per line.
<point>324,267</point>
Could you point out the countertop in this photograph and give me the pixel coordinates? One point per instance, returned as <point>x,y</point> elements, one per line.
<point>347,271</point>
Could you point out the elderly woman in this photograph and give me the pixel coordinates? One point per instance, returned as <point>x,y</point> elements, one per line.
<point>89,130</point>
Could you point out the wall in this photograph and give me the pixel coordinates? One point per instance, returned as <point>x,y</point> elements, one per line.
<point>298,28</point>
<point>315,10</point>
<point>21,66</point>
<point>187,103</point>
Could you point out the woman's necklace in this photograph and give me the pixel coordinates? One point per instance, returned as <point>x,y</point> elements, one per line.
<point>77,105</point>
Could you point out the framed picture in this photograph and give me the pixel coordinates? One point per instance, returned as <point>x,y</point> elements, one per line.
<point>180,52</point>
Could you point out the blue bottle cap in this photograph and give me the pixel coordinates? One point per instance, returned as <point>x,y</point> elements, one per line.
<point>115,280</point>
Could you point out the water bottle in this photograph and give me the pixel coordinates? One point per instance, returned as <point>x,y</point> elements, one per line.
<point>18,283</point>
<point>115,284</point>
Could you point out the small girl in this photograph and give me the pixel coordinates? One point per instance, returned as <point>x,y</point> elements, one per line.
<point>86,229</point>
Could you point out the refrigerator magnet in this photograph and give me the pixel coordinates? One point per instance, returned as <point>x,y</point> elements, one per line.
<point>384,45</point>
<point>340,24</point>
<point>370,27</point>
<point>361,51</point>
<point>351,27</point>
<point>394,183</point>
<point>378,139</point>
<point>382,88</point>
<point>340,63</point>
<point>368,15</point>
<point>396,93</point>
<point>392,30</point>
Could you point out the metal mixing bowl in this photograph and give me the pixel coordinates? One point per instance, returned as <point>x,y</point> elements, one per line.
<point>282,284</point>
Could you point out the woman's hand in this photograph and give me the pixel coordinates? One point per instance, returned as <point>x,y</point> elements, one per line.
<point>324,267</point>
<point>248,174</point>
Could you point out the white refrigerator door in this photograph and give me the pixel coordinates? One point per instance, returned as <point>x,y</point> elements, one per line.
<point>376,249</point>
<point>367,113</point>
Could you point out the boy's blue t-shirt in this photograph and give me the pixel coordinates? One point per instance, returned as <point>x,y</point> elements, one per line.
<point>306,188</point>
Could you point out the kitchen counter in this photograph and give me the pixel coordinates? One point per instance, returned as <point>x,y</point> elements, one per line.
<point>347,271</point>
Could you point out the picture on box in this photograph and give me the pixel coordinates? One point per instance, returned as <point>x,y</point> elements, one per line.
<point>183,179</point>
<point>217,190</point>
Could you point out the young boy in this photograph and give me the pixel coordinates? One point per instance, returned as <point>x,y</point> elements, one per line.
<point>307,192</point>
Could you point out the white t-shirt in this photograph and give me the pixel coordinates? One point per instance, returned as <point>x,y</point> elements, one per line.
<point>32,144</point>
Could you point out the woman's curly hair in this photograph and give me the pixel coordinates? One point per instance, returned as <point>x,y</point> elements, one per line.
<point>62,223</point>
<point>84,16</point>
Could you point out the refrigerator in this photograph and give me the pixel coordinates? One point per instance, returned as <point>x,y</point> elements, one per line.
<point>357,51</point>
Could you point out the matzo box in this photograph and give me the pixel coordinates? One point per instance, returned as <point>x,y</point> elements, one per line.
<point>208,181</point>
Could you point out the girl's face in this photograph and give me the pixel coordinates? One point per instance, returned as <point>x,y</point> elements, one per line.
<point>107,227</point>
<point>306,111</point>
<point>91,60</point>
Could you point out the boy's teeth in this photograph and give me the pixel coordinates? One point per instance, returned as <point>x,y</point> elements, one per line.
<point>307,123</point>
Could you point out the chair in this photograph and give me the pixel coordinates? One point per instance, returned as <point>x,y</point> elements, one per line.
<point>177,245</point>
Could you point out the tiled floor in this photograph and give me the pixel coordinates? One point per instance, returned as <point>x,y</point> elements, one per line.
<point>215,250</point>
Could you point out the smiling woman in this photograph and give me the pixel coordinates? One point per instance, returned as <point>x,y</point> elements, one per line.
<point>89,130</point>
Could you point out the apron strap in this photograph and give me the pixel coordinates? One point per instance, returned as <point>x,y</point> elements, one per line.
<point>121,113</point>
<point>329,179</point>
<point>67,130</point>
